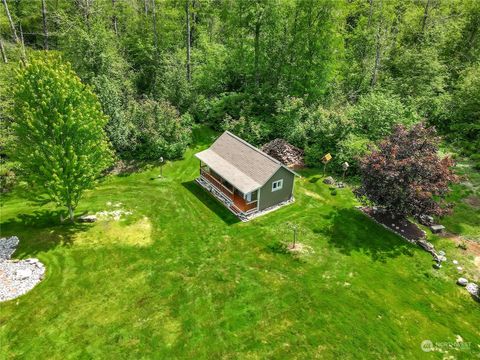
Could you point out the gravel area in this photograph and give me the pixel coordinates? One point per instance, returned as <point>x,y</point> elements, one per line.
<point>17,277</point>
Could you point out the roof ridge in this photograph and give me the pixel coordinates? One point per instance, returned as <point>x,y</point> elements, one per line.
<point>254,148</point>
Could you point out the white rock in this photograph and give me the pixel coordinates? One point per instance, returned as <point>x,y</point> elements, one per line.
<point>473,289</point>
<point>462,281</point>
<point>459,268</point>
<point>455,262</point>
<point>442,253</point>
<point>23,273</point>
<point>442,258</point>
<point>87,218</point>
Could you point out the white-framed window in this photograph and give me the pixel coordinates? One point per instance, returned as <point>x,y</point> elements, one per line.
<point>277,185</point>
<point>248,196</point>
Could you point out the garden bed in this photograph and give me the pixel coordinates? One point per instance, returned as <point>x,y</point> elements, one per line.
<point>403,227</point>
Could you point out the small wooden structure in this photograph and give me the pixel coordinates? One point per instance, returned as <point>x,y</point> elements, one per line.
<point>243,178</point>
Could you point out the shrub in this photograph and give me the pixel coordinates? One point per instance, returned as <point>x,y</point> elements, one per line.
<point>249,129</point>
<point>376,114</point>
<point>159,130</point>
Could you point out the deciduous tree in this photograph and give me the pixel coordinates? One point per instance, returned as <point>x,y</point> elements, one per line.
<point>62,145</point>
<point>405,175</point>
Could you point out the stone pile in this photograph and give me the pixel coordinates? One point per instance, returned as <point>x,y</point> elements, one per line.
<point>112,215</point>
<point>8,247</point>
<point>284,152</point>
<point>17,277</point>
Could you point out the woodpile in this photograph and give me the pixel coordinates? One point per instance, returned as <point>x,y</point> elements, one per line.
<point>286,153</point>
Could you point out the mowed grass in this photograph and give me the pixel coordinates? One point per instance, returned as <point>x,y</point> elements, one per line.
<point>182,278</point>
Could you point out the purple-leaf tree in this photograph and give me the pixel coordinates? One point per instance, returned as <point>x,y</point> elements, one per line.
<point>405,175</point>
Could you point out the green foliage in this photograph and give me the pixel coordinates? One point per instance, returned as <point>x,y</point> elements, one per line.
<point>350,150</point>
<point>159,130</point>
<point>95,56</point>
<point>265,68</point>
<point>325,129</point>
<point>61,144</point>
<point>291,120</point>
<point>376,113</point>
<point>247,128</point>
<point>419,77</point>
<point>465,113</point>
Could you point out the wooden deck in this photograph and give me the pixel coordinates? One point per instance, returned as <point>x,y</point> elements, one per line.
<point>238,201</point>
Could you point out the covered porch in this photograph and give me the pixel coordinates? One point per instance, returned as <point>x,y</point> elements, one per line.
<point>238,202</point>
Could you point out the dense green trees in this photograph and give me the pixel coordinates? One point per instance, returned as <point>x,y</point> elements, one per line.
<point>159,131</point>
<point>272,68</point>
<point>61,144</point>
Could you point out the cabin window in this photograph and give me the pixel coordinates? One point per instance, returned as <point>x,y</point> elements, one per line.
<point>248,196</point>
<point>277,185</point>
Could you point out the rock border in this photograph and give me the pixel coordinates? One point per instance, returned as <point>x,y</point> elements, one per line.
<point>17,277</point>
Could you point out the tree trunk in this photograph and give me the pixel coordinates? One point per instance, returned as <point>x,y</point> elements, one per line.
<point>22,45</point>
<point>145,7</point>
<point>70,213</point>
<point>86,12</point>
<point>370,12</point>
<point>2,50</point>
<point>377,60</point>
<point>114,18</point>
<point>378,50</point>
<point>154,20</point>
<point>187,13</point>
<point>10,21</point>
<point>45,29</point>
<point>425,16</point>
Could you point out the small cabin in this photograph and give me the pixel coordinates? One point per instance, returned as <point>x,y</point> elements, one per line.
<point>245,179</point>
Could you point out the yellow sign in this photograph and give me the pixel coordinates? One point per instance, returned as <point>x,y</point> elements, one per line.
<point>326,158</point>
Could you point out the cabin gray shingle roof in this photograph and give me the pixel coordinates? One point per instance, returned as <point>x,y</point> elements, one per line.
<point>241,164</point>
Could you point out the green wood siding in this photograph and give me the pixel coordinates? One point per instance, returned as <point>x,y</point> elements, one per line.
<point>268,197</point>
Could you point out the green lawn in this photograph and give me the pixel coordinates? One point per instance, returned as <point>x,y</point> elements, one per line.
<point>182,278</point>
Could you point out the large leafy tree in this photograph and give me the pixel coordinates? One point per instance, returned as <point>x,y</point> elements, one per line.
<point>405,174</point>
<point>62,145</point>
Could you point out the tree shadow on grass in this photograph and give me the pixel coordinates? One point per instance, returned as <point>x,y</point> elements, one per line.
<point>40,231</point>
<point>353,231</point>
<point>209,201</point>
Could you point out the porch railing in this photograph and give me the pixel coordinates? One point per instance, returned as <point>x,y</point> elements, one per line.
<point>237,201</point>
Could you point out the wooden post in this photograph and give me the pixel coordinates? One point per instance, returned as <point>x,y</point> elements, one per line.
<point>294,236</point>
